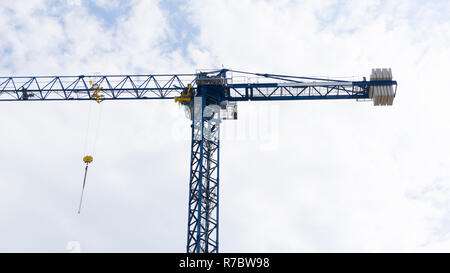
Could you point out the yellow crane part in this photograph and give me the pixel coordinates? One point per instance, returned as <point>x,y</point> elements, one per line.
<point>88,159</point>
<point>99,98</point>
<point>184,97</point>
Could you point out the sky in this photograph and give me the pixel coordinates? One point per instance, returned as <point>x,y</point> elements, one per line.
<point>301,176</point>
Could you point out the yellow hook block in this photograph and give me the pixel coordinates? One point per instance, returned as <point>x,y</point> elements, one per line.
<point>88,159</point>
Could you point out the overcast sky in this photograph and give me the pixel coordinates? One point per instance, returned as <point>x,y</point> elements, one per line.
<point>295,176</point>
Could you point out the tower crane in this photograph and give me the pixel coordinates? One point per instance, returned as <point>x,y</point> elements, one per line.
<point>207,97</point>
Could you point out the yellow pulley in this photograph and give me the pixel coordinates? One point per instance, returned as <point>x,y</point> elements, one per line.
<point>88,159</point>
<point>99,98</point>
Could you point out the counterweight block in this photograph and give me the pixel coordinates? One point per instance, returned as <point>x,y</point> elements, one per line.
<point>381,94</point>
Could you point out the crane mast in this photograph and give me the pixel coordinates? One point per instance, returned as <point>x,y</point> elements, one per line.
<point>203,228</point>
<point>204,96</point>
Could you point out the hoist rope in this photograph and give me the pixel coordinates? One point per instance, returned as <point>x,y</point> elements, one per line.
<point>97,129</point>
<point>89,158</point>
<point>87,129</point>
<point>82,189</point>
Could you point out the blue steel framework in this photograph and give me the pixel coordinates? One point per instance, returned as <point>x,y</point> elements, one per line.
<point>203,212</point>
<point>126,87</point>
<point>209,90</point>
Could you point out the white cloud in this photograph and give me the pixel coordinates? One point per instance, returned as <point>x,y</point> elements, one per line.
<point>107,4</point>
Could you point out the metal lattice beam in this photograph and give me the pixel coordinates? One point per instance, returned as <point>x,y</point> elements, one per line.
<point>114,87</point>
<point>129,87</point>
<point>203,233</point>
